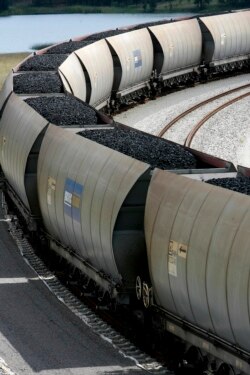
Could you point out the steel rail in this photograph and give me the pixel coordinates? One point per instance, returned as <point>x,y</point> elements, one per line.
<point>198,105</point>
<point>194,130</point>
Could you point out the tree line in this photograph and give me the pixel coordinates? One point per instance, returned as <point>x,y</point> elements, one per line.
<point>4,4</point>
<point>146,5</point>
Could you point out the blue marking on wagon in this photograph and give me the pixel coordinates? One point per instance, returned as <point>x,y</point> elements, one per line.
<point>72,199</point>
<point>137,58</point>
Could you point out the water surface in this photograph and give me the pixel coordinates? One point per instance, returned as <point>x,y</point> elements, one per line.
<point>21,33</point>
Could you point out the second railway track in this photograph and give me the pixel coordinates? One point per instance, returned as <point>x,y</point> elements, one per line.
<point>183,127</point>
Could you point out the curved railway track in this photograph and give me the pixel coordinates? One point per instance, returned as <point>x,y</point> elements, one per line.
<point>195,129</point>
<point>190,133</point>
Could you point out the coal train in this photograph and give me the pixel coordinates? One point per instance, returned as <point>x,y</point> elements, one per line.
<point>139,216</point>
<point>117,67</point>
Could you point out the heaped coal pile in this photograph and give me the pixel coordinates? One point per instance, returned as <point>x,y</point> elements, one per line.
<point>43,62</point>
<point>63,110</point>
<point>239,184</point>
<point>105,34</point>
<point>68,47</point>
<point>37,83</point>
<point>148,24</point>
<point>71,46</point>
<point>152,150</point>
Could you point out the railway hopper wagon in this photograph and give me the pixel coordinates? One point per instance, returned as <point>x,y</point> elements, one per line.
<point>198,254</point>
<point>226,41</point>
<point>88,73</point>
<point>177,52</point>
<point>92,205</point>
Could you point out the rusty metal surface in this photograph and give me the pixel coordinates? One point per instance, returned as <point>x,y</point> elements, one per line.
<point>96,59</point>
<point>20,126</point>
<point>197,238</point>
<point>135,54</point>
<point>73,77</point>
<point>181,44</point>
<point>212,161</point>
<point>244,171</point>
<point>226,36</point>
<point>82,186</point>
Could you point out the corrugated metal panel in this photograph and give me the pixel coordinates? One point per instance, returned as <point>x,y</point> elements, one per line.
<point>20,127</point>
<point>97,61</point>
<point>181,43</point>
<point>238,280</point>
<point>82,186</point>
<point>164,198</point>
<point>229,35</point>
<point>206,218</point>
<point>73,77</point>
<point>218,280</point>
<point>51,153</point>
<point>6,89</point>
<point>197,239</point>
<point>135,54</point>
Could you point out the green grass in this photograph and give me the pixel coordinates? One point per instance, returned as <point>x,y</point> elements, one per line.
<point>7,62</point>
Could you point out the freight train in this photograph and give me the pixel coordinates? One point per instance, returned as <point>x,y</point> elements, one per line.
<point>138,215</point>
<point>117,67</point>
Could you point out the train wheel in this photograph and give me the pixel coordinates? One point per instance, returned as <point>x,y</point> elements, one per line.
<point>193,362</point>
<point>225,369</point>
<point>138,288</point>
<point>146,295</point>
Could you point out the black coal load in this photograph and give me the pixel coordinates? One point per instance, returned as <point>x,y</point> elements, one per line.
<point>240,184</point>
<point>43,62</point>
<point>152,150</point>
<point>71,46</point>
<point>105,34</point>
<point>68,47</point>
<point>37,83</point>
<point>148,24</point>
<point>64,110</point>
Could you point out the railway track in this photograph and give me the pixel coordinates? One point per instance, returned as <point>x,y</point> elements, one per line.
<point>79,308</point>
<point>195,129</point>
<point>208,108</point>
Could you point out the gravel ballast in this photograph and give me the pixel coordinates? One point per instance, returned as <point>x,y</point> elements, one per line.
<point>154,151</point>
<point>63,110</point>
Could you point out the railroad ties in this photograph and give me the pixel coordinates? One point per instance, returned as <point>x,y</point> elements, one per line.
<point>124,346</point>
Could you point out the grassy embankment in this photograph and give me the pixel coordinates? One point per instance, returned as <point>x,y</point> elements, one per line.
<point>7,62</point>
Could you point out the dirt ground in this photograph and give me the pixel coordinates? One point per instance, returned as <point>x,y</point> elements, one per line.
<point>9,61</point>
